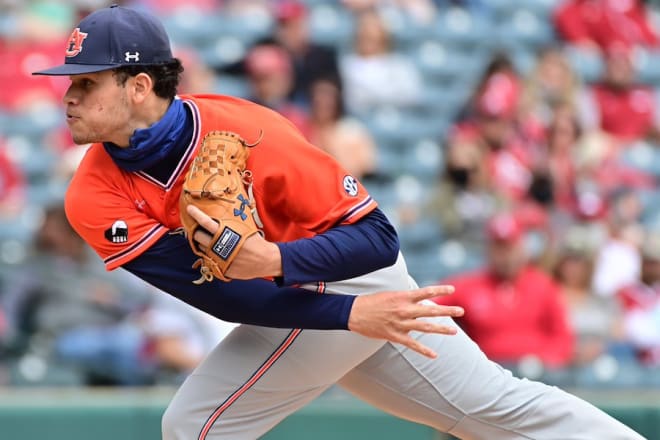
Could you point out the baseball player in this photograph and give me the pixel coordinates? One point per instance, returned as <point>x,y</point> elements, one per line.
<point>322,232</point>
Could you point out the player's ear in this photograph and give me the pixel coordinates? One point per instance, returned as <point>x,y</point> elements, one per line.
<point>142,86</point>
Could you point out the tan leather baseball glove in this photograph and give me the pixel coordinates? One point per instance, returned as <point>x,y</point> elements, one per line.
<point>215,183</point>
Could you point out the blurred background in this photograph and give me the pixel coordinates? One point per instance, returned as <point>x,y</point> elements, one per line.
<point>514,144</point>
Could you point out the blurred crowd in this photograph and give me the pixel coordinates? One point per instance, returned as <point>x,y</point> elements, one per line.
<point>515,145</point>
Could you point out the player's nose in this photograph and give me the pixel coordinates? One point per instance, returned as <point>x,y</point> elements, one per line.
<point>69,97</point>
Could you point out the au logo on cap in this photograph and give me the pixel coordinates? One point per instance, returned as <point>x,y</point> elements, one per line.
<point>74,45</point>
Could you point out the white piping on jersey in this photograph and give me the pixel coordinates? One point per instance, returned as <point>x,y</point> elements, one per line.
<point>361,206</point>
<point>135,247</point>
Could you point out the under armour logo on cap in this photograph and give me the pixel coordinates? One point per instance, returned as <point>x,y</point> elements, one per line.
<point>114,37</point>
<point>132,57</point>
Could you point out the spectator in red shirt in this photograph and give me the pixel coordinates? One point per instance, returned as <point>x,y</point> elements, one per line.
<point>495,129</point>
<point>603,23</point>
<point>618,105</point>
<point>513,310</point>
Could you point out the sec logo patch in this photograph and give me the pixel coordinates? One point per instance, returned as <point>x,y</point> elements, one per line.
<point>350,186</point>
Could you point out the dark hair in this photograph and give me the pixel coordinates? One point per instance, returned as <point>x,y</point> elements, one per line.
<point>499,61</point>
<point>335,81</point>
<point>166,76</point>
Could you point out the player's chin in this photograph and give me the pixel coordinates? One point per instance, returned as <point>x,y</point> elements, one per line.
<point>80,138</point>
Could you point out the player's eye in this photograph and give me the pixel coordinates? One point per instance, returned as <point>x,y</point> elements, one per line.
<point>85,83</point>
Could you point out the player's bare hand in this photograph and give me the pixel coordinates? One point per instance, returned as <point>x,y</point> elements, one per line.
<point>393,315</point>
<point>257,257</point>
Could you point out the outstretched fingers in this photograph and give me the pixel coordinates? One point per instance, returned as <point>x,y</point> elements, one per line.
<point>430,292</point>
<point>424,326</point>
<point>403,334</point>
<point>432,310</point>
<point>415,345</point>
<point>421,308</point>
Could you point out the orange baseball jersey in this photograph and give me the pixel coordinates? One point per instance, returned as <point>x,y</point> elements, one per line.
<point>299,190</point>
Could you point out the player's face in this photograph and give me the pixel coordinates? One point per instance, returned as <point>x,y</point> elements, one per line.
<point>650,270</point>
<point>506,258</point>
<point>97,109</point>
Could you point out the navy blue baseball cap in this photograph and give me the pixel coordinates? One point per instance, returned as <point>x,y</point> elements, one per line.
<point>113,37</point>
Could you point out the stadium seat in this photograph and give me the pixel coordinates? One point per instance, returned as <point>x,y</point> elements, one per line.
<point>445,99</point>
<point>198,29</point>
<point>423,266</point>
<point>505,8</point>
<point>442,259</point>
<point>524,27</point>
<point>43,193</point>
<point>424,160</point>
<point>388,160</point>
<point>223,51</point>
<point>331,25</point>
<point>5,121</point>
<point>382,191</point>
<point>458,28</point>
<point>642,156</point>
<point>438,61</point>
<point>650,208</point>
<point>410,191</point>
<point>405,32</point>
<point>648,66</point>
<point>14,242</point>
<point>32,370</point>
<point>33,159</point>
<point>232,85</point>
<point>191,28</point>
<point>609,373</point>
<point>524,58</point>
<point>588,65</point>
<point>402,128</point>
<point>32,124</point>
<point>419,235</point>
<point>455,257</point>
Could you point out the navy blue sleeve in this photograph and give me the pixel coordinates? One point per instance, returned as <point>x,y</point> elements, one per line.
<point>340,253</point>
<point>167,266</point>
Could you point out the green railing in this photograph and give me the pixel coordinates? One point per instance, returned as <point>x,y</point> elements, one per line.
<point>134,414</point>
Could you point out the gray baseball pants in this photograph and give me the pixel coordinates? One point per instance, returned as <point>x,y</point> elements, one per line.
<point>257,376</point>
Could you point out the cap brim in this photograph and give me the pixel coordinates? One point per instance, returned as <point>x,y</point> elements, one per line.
<point>75,69</point>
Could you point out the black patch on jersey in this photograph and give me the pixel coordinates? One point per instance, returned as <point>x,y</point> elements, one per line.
<point>117,233</point>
